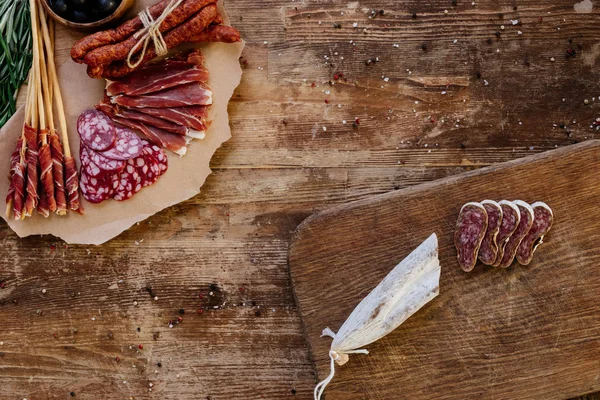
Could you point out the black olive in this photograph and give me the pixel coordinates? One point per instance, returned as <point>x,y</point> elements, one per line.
<point>106,7</point>
<point>81,5</point>
<point>60,7</point>
<point>78,16</point>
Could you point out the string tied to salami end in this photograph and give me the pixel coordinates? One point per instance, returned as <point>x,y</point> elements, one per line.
<point>151,31</point>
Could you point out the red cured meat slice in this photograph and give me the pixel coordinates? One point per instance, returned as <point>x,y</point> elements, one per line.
<point>470,230</point>
<point>513,242</point>
<point>160,156</point>
<point>171,141</point>
<point>95,190</point>
<point>153,121</point>
<point>511,216</point>
<point>105,163</point>
<point>195,93</point>
<point>130,182</point>
<point>193,117</point>
<point>542,222</point>
<point>128,145</point>
<point>489,247</point>
<point>96,130</point>
<point>154,78</point>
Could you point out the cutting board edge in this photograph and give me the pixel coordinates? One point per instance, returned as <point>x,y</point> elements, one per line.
<point>305,225</point>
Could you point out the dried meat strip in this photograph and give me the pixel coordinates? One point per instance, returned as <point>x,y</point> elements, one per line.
<point>489,247</point>
<point>171,141</point>
<point>511,216</point>
<point>119,51</point>
<point>46,172</point>
<point>513,242</point>
<point>14,161</point>
<point>470,230</point>
<point>542,222</point>
<point>154,78</point>
<point>98,39</point>
<point>190,94</point>
<point>96,130</point>
<point>180,34</point>
<point>31,197</point>
<point>18,183</point>
<point>58,173</point>
<point>72,184</point>
<point>193,117</point>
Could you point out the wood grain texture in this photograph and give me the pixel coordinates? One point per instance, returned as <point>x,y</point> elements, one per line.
<point>517,333</point>
<point>272,174</point>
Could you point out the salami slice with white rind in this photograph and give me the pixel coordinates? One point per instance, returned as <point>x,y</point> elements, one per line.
<point>130,182</point>
<point>127,146</point>
<point>523,227</point>
<point>96,130</point>
<point>470,230</point>
<point>95,190</point>
<point>489,247</point>
<point>511,216</point>
<point>542,222</point>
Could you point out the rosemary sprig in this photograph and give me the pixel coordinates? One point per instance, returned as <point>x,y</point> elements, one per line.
<point>15,53</point>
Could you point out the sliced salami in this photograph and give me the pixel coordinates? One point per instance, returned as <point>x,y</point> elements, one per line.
<point>542,222</point>
<point>106,164</point>
<point>127,146</point>
<point>95,190</point>
<point>511,216</point>
<point>470,230</point>
<point>130,182</point>
<point>96,130</point>
<point>489,247</point>
<point>161,157</point>
<point>523,227</point>
<point>147,167</point>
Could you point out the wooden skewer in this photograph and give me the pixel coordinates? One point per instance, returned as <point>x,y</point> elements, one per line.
<point>56,88</point>
<point>37,63</point>
<point>50,88</point>
<point>45,89</point>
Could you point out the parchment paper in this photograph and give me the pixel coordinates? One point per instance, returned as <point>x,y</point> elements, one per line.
<point>183,179</point>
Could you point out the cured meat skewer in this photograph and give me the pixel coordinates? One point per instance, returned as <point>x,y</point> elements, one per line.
<point>45,113</point>
<point>71,185</point>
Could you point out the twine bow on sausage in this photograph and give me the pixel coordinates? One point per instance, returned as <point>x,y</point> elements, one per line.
<point>151,31</point>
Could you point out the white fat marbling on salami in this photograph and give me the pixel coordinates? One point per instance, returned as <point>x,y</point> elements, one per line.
<point>542,222</point>
<point>95,190</point>
<point>130,182</point>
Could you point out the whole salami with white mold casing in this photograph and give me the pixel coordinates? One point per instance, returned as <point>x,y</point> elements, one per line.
<point>489,247</point>
<point>515,239</point>
<point>469,233</point>
<point>511,216</point>
<point>542,222</point>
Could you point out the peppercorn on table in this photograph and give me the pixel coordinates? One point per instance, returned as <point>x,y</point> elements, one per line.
<point>339,101</point>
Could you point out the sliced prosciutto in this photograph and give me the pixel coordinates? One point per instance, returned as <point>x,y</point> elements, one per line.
<point>194,117</point>
<point>176,143</point>
<point>132,113</point>
<point>190,94</point>
<point>158,77</point>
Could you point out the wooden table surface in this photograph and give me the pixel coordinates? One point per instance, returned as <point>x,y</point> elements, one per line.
<point>444,92</point>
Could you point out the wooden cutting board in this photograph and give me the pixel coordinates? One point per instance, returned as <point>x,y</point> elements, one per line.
<point>520,333</point>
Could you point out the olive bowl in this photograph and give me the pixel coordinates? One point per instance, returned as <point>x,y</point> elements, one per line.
<point>110,20</point>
